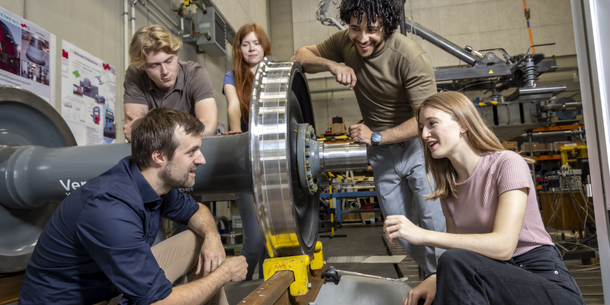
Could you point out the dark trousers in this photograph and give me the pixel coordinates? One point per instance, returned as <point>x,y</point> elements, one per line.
<point>536,277</point>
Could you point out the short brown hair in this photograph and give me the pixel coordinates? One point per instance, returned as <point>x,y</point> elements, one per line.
<point>155,132</point>
<point>151,38</point>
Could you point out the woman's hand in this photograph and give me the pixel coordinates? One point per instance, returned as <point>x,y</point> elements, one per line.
<point>233,132</point>
<point>425,290</point>
<point>398,226</point>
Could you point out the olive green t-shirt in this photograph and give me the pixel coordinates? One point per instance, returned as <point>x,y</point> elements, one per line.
<point>396,76</point>
<point>192,85</point>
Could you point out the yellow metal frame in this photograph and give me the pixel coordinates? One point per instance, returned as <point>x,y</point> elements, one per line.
<point>318,257</point>
<point>299,265</point>
<point>566,151</point>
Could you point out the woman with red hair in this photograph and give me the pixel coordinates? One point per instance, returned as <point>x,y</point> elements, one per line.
<point>250,46</point>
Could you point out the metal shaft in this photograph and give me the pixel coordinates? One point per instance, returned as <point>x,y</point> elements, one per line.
<point>33,175</point>
<point>441,42</point>
<point>340,157</point>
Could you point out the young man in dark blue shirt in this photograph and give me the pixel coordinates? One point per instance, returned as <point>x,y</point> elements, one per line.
<point>97,244</point>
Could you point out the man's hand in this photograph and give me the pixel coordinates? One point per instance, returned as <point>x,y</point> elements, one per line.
<point>361,133</point>
<point>425,290</point>
<point>237,268</point>
<point>212,255</point>
<point>343,74</point>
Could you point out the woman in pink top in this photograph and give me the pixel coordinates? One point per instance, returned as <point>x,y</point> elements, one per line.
<point>498,250</point>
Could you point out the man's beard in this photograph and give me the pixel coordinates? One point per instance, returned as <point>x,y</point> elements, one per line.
<point>173,180</point>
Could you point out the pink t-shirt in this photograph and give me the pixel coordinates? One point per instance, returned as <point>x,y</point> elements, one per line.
<point>475,208</point>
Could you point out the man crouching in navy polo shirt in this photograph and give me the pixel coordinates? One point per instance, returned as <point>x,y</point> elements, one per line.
<point>96,248</point>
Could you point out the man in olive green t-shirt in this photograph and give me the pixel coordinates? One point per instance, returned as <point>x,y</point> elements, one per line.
<point>391,75</point>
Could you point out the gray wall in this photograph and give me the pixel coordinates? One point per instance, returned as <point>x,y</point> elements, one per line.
<point>280,32</point>
<point>481,24</point>
<point>96,26</point>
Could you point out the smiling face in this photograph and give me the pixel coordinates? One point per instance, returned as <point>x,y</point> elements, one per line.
<point>162,68</point>
<point>441,133</point>
<point>366,39</point>
<point>251,49</point>
<point>179,172</point>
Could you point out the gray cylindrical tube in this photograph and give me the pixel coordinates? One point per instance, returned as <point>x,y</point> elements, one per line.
<point>541,90</point>
<point>339,157</point>
<point>441,42</point>
<point>34,175</point>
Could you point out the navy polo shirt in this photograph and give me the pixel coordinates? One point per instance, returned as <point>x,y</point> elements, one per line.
<point>97,243</point>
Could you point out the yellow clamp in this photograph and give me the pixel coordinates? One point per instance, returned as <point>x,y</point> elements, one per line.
<point>299,265</point>
<point>318,257</point>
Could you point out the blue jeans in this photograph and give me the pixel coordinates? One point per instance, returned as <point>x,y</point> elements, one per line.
<point>536,277</point>
<point>253,242</point>
<point>401,185</point>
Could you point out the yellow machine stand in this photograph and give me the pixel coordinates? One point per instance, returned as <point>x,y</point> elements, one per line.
<point>570,153</point>
<point>300,265</point>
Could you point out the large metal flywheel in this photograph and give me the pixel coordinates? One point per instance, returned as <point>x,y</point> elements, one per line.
<point>280,102</point>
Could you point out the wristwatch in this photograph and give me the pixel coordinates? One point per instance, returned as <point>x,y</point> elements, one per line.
<point>376,138</point>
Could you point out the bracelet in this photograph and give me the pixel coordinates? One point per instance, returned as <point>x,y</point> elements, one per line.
<point>429,275</point>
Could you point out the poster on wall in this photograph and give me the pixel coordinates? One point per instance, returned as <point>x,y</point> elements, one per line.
<point>26,55</point>
<point>88,96</point>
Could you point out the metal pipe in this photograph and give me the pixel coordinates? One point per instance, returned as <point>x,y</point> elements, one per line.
<point>541,90</point>
<point>529,135</point>
<point>341,157</point>
<point>441,42</point>
<point>126,28</point>
<point>562,107</point>
<point>58,171</point>
<point>133,17</point>
<point>565,133</point>
<point>182,27</point>
<point>159,18</point>
<point>167,16</point>
<point>403,25</point>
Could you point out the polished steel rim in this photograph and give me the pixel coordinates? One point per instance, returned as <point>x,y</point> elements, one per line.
<point>280,102</point>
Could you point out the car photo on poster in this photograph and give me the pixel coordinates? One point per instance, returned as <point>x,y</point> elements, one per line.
<point>35,48</point>
<point>9,48</point>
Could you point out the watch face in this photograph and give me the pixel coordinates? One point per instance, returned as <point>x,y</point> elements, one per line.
<point>376,137</point>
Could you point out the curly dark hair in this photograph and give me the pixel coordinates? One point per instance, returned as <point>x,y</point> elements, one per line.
<point>388,11</point>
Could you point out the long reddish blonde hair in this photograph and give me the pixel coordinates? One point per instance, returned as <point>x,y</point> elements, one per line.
<point>241,69</point>
<point>480,137</point>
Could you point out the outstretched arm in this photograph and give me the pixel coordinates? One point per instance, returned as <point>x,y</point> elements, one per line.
<point>313,62</point>
<point>500,244</point>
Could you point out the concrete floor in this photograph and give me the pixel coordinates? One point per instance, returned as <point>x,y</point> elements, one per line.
<point>366,240</point>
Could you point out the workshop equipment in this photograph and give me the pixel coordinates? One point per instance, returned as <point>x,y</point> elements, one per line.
<point>39,165</point>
